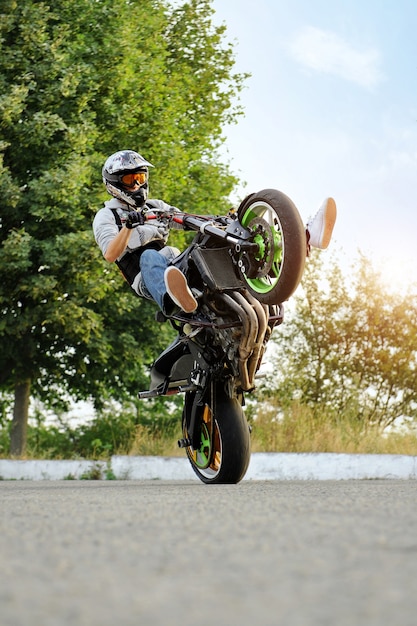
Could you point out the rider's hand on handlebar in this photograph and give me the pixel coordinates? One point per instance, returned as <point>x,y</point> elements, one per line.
<point>134,218</point>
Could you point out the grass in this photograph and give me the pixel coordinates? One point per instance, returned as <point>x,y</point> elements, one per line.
<point>298,431</point>
<point>157,443</point>
<point>302,431</point>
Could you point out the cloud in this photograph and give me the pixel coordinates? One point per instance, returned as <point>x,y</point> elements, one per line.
<point>326,52</point>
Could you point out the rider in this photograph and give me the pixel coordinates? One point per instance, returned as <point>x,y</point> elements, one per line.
<point>140,249</point>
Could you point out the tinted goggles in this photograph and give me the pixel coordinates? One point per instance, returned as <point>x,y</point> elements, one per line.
<point>138,177</point>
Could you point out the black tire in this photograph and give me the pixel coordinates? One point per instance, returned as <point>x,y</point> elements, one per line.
<point>223,458</point>
<point>274,276</point>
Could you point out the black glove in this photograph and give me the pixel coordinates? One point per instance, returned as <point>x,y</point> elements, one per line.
<point>133,219</point>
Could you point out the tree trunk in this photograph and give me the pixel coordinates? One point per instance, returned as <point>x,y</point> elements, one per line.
<point>18,435</point>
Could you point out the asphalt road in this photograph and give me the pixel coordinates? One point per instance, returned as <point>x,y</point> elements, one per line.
<point>167,553</point>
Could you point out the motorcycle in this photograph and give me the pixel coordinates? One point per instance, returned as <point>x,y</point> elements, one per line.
<point>241,267</point>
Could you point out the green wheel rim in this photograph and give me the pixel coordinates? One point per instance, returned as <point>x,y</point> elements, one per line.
<point>204,452</point>
<point>265,284</point>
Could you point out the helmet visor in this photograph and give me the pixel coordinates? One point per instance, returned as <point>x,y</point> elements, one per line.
<point>129,180</point>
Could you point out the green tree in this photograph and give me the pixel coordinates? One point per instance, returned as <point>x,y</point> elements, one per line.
<point>78,81</point>
<point>348,348</point>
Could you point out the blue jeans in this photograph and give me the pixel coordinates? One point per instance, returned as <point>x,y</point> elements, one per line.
<point>152,268</point>
<point>153,264</point>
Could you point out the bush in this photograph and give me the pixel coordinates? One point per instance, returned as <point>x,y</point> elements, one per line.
<point>148,428</point>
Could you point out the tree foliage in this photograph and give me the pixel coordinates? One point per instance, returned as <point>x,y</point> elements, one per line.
<point>78,81</point>
<point>349,347</point>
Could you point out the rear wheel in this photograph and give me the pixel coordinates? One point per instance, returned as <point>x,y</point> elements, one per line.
<point>274,272</point>
<point>224,451</point>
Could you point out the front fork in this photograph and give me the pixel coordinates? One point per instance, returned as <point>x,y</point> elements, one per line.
<point>194,410</point>
<point>198,408</point>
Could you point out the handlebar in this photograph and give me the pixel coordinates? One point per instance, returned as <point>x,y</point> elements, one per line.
<point>234,233</point>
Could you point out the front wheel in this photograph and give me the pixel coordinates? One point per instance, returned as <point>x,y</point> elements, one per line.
<point>224,451</point>
<point>273,273</point>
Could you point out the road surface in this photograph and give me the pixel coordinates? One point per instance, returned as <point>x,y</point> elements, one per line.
<point>305,553</point>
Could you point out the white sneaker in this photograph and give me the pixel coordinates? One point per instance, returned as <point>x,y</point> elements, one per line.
<point>178,290</point>
<point>320,228</point>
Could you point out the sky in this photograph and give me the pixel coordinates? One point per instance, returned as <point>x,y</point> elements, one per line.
<point>330,109</point>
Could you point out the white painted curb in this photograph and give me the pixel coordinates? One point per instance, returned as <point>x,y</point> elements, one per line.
<point>328,466</point>
<point>48,470</point>
<point>263,466</point>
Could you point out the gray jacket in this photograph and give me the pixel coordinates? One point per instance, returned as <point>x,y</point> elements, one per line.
<point>105,227</point>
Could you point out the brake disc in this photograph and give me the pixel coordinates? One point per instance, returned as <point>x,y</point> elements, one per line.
<point>264,237</point>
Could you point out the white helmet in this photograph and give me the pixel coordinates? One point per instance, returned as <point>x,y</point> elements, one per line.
<point>125,174</point>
